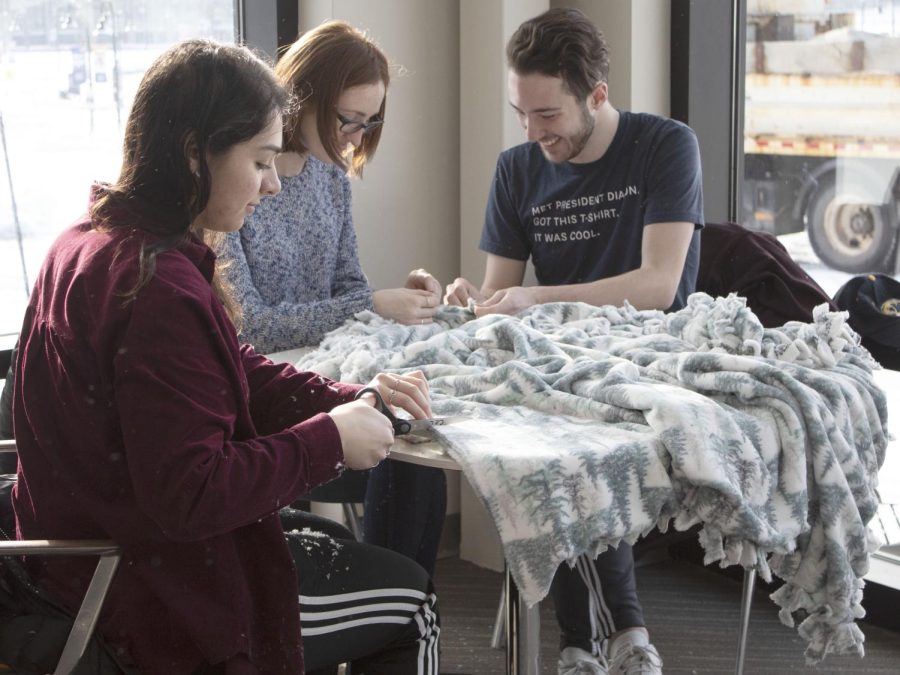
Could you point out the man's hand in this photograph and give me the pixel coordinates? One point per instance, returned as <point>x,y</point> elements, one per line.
<point>406,305</point>
<point>507,301</point>
<point>459,292</point>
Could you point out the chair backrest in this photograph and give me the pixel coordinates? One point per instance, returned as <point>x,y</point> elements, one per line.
<point>7,359</point>
<point>348,490</point>
<point>38,635</point>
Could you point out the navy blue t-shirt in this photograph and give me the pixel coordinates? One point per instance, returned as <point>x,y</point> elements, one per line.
<point>584,222</point>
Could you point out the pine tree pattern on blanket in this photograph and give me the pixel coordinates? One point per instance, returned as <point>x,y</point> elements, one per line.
<point>591,425</point>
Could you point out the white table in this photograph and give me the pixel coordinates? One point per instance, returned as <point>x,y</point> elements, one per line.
<point>522,623</point>
<point>889,476</point>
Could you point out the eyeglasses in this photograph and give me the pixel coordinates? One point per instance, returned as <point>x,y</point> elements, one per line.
<point>349,126</point>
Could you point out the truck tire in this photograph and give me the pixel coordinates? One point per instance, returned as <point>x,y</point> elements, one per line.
<point>847,233</point>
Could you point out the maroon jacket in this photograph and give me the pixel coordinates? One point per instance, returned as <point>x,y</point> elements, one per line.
<point>757,266</point>
<point>146,423</point>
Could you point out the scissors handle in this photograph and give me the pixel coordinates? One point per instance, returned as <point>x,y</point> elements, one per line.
<point>400,426</point>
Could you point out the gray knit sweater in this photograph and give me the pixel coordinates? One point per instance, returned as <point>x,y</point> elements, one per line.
<point>294,264</point>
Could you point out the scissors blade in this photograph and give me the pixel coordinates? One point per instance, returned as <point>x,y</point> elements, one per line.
<point>429,424</point>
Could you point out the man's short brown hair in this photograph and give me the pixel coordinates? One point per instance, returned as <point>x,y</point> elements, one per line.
<point>561,42</point>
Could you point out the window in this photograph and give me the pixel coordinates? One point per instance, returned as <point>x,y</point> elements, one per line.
<point>68,73</point>
<point>821,155</point>
<point>798,130</point>
<point>800,137</point>
<point>821,135</point>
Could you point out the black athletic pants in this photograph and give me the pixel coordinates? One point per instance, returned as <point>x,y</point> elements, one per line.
<point>596,598</point>
<point>361,603</point>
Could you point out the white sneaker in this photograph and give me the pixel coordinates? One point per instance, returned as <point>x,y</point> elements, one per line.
<point>631,659</point>
<point>575,661</point>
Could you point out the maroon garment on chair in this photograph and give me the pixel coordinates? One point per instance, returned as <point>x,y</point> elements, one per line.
<point>145,422</point>
<point>755,265</point>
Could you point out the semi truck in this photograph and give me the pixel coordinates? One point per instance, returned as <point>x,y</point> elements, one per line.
<point>822,132</point>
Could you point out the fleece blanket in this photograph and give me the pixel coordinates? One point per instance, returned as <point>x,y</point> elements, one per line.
<point>590,425</point>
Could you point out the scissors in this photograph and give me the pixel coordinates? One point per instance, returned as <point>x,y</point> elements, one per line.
<point>404,426</point>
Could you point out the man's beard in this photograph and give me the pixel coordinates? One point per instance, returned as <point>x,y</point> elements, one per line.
<point>580,139</point>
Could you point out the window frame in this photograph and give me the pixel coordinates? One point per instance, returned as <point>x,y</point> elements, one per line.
<point>708,94</point>
<point>268,25</point>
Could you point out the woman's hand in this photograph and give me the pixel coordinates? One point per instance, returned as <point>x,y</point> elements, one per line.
<point>366,434</point>
<point>406,305</point>
<point>422,280</point>
<point>408,391</point>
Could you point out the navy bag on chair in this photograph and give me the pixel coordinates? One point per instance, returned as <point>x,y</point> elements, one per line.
<point>873,301</point>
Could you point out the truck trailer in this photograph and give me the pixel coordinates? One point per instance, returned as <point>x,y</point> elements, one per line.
<point>822,135</point>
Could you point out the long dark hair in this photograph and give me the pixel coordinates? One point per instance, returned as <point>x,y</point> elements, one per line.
<point>199,97</point>
<point>316,69</point>
<point>562,42</point>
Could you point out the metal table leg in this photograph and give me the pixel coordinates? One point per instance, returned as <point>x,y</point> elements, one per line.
<point>498,636</point>
<point>746,602</point>
<point>523,632</point>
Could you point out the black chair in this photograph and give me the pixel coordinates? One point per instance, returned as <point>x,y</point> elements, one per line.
<point>7,357</point>
<point>348,490</point>
<point>34,630</point>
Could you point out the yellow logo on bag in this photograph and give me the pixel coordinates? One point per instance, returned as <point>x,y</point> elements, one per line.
<point>891,307</point>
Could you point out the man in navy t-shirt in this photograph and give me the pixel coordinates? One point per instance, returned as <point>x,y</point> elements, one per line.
<point>608,205</point>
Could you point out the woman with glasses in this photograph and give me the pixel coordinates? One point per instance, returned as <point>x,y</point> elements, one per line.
<point>294,265</point>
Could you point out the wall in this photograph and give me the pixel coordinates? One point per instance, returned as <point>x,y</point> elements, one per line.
<point>488,125</point>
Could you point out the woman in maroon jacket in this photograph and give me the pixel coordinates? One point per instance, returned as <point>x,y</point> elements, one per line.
<point>139,418</point>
